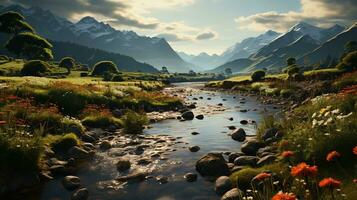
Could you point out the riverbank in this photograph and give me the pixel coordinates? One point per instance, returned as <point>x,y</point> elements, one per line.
<point>317,129</point>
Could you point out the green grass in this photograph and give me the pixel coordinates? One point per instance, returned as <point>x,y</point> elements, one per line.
<point>101,121</point>
<point>62,143</point>
<point>133,122</point>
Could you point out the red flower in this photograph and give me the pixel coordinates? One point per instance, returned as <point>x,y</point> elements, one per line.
<point>355,180</point>
<point>330,182</point>
<point>11,97</point>
<point>284,196</point>
<point>262,176</point>
<point>332,156</point>
<point>287,154</point>
<point>355,150</point>
<point>3,123</point>
<point>303,170</point>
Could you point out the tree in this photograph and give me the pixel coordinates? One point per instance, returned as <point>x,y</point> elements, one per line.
<point>228,71</point>
<point>164,70</point>
<point>349,62</point>
<point>192,73</point>
<point>293,69</point>
<point>34,68</point>
<point>30,46</point>
<point>68,63</point>
<point>13,22</point>
<point>290,61</point>
<point>258,75</point>
<point>104,67</point>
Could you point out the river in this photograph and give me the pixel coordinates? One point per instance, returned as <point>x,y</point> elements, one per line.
<point>166,147</point>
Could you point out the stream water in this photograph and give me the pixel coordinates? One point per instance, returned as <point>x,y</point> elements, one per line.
<point>166,147</point>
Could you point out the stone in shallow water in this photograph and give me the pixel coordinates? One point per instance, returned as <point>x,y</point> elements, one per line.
<point>212,164</point>
<point>81,194</point>
<point>162,179</point>
<point>190,177</point>
<point>71,182</point>
<point>222,185</point>
<point>123,165</point>
<point>195,133</point>
<point>194,148</point>
<point>239,135</point>
<point>200,117</point>
<point>233,194</point>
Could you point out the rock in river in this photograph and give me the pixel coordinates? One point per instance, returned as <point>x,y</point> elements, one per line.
<point>200,117</point>
<point>81,194</point>
<point>246,160</point>
<point>188,115</point>
<point>105,145</point>
<point>79,153</point>
<point>212,164</point>
<point>190,177</point>
<point>194,148</point>
<point>195,133</point>
<point>251,146</point>
<point>222,185</point>
<point>239,135</point>
<point>266,160</point>
<point>123,165</point>
<point>71,182</point>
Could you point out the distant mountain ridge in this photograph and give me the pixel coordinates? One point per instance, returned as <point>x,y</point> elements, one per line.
<point>299,40</point>
<point>89,32</point>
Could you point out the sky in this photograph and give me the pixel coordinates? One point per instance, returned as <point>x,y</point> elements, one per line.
<point>195,26</point>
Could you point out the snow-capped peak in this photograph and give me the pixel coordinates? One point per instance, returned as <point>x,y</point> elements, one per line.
<point>88,20</point>
<point>307,29</point>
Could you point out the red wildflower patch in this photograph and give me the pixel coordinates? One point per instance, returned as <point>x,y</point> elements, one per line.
<point>349,90</point>
<point>332,156</point>
<point>287,154</point>
<point>355,150</point>
<point>262,176</point>
<point>303,170</point>
<point>355,180</point>
<point>284,196</point>
<point>3,123</point>
<point>330,182</point>
<point>11,97</point>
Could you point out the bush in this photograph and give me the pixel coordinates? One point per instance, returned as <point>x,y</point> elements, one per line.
<point>63,143</point>
<point>67,62</point>
<point>35,68</point>
<point>258,75</point>
<point>19,151</point>
<point>71,125</point>
<point>108,76</point>
<point>104,66</point>
<point>83,74</point>
<point>3,57</point>
<point>117,78</point>
<point>101,121</point>
<point>293,69</point>
<point>133,122</point>
<point>285,93</point>
<point>349,62</point>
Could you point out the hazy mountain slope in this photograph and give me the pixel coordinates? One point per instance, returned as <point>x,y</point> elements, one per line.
<point>89,32</point>
<point>333,47</point>
<point>88,55</point>
<point>236,65</point>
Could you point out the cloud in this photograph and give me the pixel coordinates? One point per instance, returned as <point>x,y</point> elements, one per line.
<point>174,37</point>
<point>206,35</point>
<point>319,12</point>
<point>118,12</point>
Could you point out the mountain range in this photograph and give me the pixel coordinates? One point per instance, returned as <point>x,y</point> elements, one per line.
<point>299,41</point>
<point>99,35</point>
<point>239,50</point>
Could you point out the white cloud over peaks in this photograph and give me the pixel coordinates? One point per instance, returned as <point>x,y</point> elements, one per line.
<point>318,12</point>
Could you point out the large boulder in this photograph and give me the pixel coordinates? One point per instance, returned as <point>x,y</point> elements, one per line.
<point>212,164</point>
<point>188,115</point>
<point>71,182</point>
<point>222,185</point>
<point>233,194</point>
<point>239,135</point>
<point>246,160</point>
<point>251,146</point>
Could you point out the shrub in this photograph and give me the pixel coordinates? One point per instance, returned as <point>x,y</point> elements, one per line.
<point>258,75</point>
<point>108,76</point>
<point>67,62</point>
<point>293,69</point>
<point>83,74</point>
<point>72,125</point>
<point>63,143</point>
<point>104,66</point>
<point>349,62</point>
<point>285,93</point>
<point>19,151</point>
<point>117,78</point>
<point>35,68</point>
<point>3,57</point>
<point>101,121</point>
<point>133,122</point>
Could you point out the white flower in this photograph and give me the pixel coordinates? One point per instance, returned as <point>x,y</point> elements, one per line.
<point>327,134</point>
<point>327,113</point>
<point>336,111</point>
<point>314,115</point>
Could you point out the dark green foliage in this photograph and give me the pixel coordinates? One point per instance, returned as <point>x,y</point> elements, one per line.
<point>104,67</point>
<point>349,62</point>
<point>13,22</point>
<point>133,122</point>
<point>117,78</point>
<point>3,57</point>
<point>290,61</point>
<point>164,70</point>
<point>68,63</point>
<point>30,46</point>
<point>65,142</point>
<point>19,151</point>
<point>258,75</point>
<point>108,76</point>
<point>101,121</point>
<point>34,68</point>
<point>84,74</point>
<point>292,69</point>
